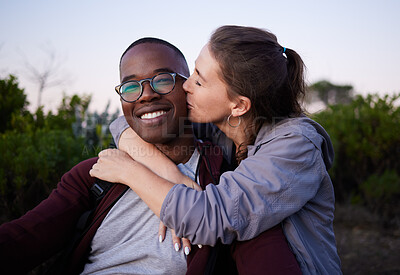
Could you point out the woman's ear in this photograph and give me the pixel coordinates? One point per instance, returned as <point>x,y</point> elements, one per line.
<point>241,107</point>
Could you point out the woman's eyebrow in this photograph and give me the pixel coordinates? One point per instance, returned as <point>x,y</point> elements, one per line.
<point>200,75</point>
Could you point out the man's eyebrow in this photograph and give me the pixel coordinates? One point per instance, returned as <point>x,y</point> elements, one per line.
<point>128,77</point>
<point>161,70</point>
<point>156,71</point>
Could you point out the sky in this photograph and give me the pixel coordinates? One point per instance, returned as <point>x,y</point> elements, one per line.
<point>352,42</point>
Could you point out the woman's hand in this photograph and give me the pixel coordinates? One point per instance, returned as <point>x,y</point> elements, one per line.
<point>117,166</point>
<point>114,165</point>
<point>177,242</point>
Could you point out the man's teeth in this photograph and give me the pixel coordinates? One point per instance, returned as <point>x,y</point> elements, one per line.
<point>152,115</point>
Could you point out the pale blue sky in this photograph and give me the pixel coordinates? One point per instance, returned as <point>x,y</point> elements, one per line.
<point>347,42</point>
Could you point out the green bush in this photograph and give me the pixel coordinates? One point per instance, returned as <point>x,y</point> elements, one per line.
<point>38,148</point>
<point>366,138</point>
<point>31,166</point>
<point>12,101</point>
<point>382,193</point>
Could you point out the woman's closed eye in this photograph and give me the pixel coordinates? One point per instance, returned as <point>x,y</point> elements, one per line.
<point>197,83</point>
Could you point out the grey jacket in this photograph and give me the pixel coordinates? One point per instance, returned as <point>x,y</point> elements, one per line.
<point>283,179</point>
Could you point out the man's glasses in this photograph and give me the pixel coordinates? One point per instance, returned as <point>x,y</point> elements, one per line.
<point>162,84</point>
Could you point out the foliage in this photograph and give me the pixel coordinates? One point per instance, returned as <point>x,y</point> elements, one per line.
<point>38,148</point>
<point>330,93</point>
<point>31,166</point>
<point>382,193</point>
<point>12,101</point>
<point>71,109</point>
<point>366,137</point>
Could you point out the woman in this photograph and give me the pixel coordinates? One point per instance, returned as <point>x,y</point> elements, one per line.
<point>249,87</point>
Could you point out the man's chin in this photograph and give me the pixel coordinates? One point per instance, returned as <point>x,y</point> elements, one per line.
<point>158,139</point>
<point>153,140</point>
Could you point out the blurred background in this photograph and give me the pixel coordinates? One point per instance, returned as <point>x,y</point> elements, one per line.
<point>59,66</point>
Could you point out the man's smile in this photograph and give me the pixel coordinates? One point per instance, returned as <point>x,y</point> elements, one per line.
<point>153,114</point>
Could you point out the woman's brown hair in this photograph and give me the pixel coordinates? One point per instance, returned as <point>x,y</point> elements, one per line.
<point>254,65</point>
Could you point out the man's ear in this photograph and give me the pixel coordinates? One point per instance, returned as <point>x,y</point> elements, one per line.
<point>241,106</point>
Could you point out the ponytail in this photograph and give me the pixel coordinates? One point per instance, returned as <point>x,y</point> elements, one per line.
<point>296,82</point>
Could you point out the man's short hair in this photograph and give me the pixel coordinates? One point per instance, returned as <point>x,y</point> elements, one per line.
<point>154,41</point>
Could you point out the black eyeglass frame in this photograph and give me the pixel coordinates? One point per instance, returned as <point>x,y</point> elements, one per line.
<point>150,80</point>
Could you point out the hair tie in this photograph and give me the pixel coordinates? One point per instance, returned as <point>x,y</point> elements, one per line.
<point>284,49</point>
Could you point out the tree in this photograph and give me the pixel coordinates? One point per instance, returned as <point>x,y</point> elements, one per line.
<point>12,101</point>
<point>330,93</point>
<point>48,75</point>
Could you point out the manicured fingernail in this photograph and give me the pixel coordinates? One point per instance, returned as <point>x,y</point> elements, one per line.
<point>160,239</point>
<point>176,247</point>
<point>199,245</point>
<point>187,251</point>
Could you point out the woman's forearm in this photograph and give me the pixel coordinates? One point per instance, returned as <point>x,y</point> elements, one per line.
<point>147,154</point>
<point>151,188</point>
<point>151,157</point>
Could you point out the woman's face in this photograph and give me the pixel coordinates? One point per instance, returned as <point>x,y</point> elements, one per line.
<point>207,97</point>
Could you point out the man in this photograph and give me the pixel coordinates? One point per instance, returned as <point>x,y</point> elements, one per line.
<point>123,234</point>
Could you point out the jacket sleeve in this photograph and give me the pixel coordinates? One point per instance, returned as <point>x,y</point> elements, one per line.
<point>40,233</point>
<point>117,127</point>
<point>267,187</point>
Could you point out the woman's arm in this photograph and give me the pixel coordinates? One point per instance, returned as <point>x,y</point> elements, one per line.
<point>266,188</point>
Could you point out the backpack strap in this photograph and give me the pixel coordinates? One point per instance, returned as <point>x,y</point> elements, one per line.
<point>98,191</point>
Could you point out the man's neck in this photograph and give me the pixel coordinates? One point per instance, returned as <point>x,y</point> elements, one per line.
<point>180,149</point>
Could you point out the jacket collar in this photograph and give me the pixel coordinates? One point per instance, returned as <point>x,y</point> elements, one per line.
<point>300,125</point>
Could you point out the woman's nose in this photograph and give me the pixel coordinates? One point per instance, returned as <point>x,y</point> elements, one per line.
<point>186,85</point>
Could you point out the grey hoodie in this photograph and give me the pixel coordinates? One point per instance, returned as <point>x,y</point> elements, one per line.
<point>283,179</point>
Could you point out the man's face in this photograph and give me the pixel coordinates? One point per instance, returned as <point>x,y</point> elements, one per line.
<point>156,118</point>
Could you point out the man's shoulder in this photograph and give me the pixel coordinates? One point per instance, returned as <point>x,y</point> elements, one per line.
<point>80,173</point>
<point>85,165</point>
